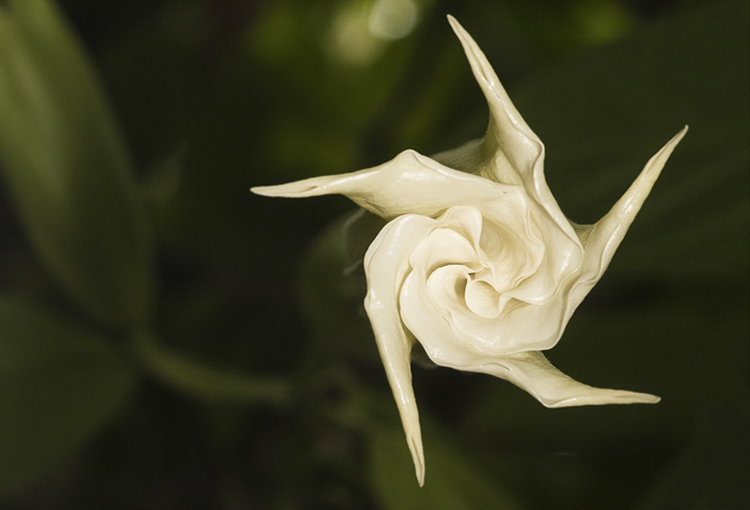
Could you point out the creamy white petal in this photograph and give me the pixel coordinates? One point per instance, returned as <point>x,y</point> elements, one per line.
<point>431,324</point>
<point>408,184</point>
<point>601,240</point>
<point>512,250</point>
<point>442,247</point>
<point>514,151</point>
<point>453,241</point>
<point>529,370</point>
<point>458,332</point>
<point>473,319</point>
<point>467,221</point>
<point>484,299</point>
<point>386,266</point>
<point>446,288</point>
<point>532,372</point>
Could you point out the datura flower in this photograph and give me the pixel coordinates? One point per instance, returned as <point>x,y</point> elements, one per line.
<point>477,262</point>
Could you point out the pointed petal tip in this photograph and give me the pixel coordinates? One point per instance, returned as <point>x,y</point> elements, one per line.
<point>656,164</point>
<point>463,36</point>
<point>602,396</point>
<point>417,455</point>
<point>453,21</point>
<point>532,372</point>
<point>466,40</point>
<point>660,158</point>
<point>632,397</point>
<point>679,136</point>
<point>292,190</point>
<point>651,399</point>
<point>261,190</point>
<point>603,238</point>
<point>644,398</point>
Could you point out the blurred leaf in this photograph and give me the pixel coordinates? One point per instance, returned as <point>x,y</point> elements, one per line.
<point>206,382</point>
<point>67,169</point>
<point>451,483</point>
<point>267,102</point>
<point>59,384</point>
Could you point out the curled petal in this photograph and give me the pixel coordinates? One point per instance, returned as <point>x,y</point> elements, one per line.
<point>435,310</point>
<point>516,153</point>
<point>386,265</point>
<point>408,184</point>
<point>513,238</point>
<point>532,372</point>
<point>465,295</point>
<point>443,247</point>
<point>508,133</point>
<point>453,241</point>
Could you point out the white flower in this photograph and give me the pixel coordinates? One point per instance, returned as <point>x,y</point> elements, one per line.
<point>477,262</point>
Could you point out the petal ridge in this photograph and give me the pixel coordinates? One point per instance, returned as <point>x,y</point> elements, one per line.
<point>532,372</point>
<point>518,153</point>
<point>386,266</point>
<point>408,184</point>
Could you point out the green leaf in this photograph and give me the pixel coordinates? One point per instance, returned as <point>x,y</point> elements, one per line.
<point>67,169</point>
<point>206,382</point>
<point>59,384</point>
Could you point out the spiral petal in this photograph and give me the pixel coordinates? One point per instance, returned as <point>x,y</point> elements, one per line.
<point>532,372</point>
<point>601,240</point>
<point>408,184</point>
<point>386,265</point>
<point>510,152</point>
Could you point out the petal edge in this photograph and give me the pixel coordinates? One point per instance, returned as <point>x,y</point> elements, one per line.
<point>532,372</point>
<point>386,265</point>
<point>408,184</point>
<point>515,152</point>
<point>601,240</point>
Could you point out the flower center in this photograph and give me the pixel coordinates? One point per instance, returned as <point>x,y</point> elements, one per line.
<point>482,298</point>
<point>480,278</point>
<point>476,263</point>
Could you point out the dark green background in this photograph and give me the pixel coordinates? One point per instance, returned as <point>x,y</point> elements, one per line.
<point>168,340</point>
